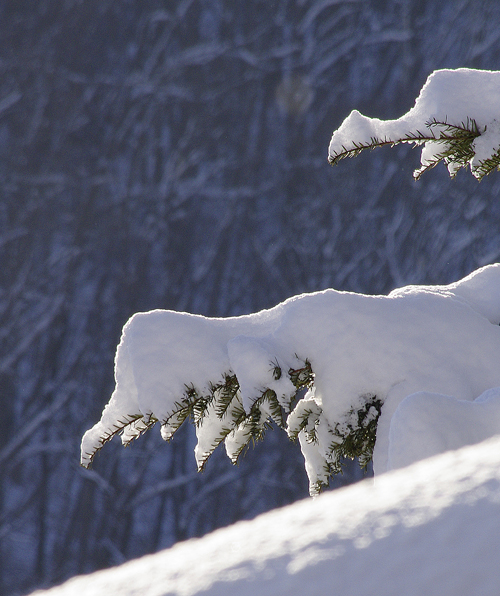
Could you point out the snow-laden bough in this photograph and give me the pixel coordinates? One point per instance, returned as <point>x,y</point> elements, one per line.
<point>330,367</point>
<point>456,119</point>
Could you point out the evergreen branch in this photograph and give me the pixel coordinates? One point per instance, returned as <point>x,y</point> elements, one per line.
<point>302,377</point>
<point>307,420</point>
<point>225,430</point>
<point>467,129</point>
<point>118,427</point>
<point>194,406</point>
<point>234,415</point>
<point>316,487</point>
<point>358,440</point>
<point>487,166</point>
<point>352,437</point>
<point>276,370</point>
<point>358,147</point>
<point>200,407</point>
<point>226,392</point>
<point>418,138</point>
<point>137,428</point>
<point>269,401</point>
<point>458,147</point>
<point>254,431</point>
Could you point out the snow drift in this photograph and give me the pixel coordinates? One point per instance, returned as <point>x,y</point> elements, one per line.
<point>432,528</point>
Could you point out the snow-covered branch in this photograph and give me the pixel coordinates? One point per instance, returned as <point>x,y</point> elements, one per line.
<point>361,356</point>
<point>456,118</point>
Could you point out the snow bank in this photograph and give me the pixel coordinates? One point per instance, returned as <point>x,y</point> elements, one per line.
<point>463,98</point>
<point>432,528</point>
<point>439,339</point>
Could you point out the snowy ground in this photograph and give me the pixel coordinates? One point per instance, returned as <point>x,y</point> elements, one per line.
<point>432,528</point>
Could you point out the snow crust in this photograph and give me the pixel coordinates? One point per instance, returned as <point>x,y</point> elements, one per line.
<point>449,96</point>
<point>432,528</point>
<point>437,339</point>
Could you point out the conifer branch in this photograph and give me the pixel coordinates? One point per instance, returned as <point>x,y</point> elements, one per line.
<point>302,377</point>
<point>458,147</point>
<point>352,437</point>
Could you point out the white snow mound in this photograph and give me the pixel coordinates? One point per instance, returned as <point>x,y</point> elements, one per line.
<point>432,528</point>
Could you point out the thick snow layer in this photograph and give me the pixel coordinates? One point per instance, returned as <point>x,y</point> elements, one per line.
<point>432,528</point>
<point>449,96</point>
<point>438,339</point>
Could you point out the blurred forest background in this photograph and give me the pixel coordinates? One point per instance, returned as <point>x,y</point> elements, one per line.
<point>173,154</point>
